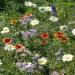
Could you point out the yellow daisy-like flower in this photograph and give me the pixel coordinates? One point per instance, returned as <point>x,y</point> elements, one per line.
<point>13,22</point>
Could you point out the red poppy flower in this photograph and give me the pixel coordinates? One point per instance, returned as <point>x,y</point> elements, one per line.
<point>44,42</point>
<point>7,40</point>
<point>44,35</point>
<point>19,47</point>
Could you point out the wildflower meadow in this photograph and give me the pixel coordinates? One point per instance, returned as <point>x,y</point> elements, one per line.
<point>37,37</point>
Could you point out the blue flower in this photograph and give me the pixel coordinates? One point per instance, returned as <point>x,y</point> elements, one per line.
<point>53,9</point>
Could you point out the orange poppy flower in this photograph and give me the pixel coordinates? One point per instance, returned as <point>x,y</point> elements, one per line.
<point>44,35</point>
<point>7,40</point>
<point>19,47</point>
<point>13,22</point>
<point>59,35</point>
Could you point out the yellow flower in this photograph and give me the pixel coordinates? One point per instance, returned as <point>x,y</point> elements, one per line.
<point>13,22</point>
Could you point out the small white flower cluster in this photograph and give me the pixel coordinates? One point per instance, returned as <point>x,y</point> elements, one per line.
<point>41,8</point>
<point>30,4</point>
<point>9,47</point>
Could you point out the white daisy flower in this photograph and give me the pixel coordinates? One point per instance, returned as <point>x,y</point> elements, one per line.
<point>53,18</point>
<point>47,8</point>
<point>67,57</point>
<point>44,8</point>
<point>30,4</point>
<point>73,31</point>
<point>34,22</point>
<point>42,61</point>
<point>0,63</point>
<point>5,30</point>
<point>63,27</point>
<point>9,47</point>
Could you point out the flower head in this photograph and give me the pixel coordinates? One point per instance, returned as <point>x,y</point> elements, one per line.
<point>53,10</point>
<point>63,27</point>
<point>42,61</point>
<point>44,8</point>
<point>59,35</point>
<point>19,47</point>
<point>44,42</point>
<point>9,47</point>
<point>47,8</point>
<point>25,18</point>
<point>7,40</point>
<point>34,22</point>
<point>5,30</point>
<point>30,4</point>
<point>13,22</point>
<point>30,33</point>
<point>67,57</point>
<point>45,35</point>
<point>26,66</point>
<point>53,18</point>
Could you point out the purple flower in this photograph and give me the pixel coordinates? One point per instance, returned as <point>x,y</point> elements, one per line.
<point>30,33</point>
<point>26,66</point>
<point>53,9</point>
<point>25,35</point>
<point>25,19</point>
